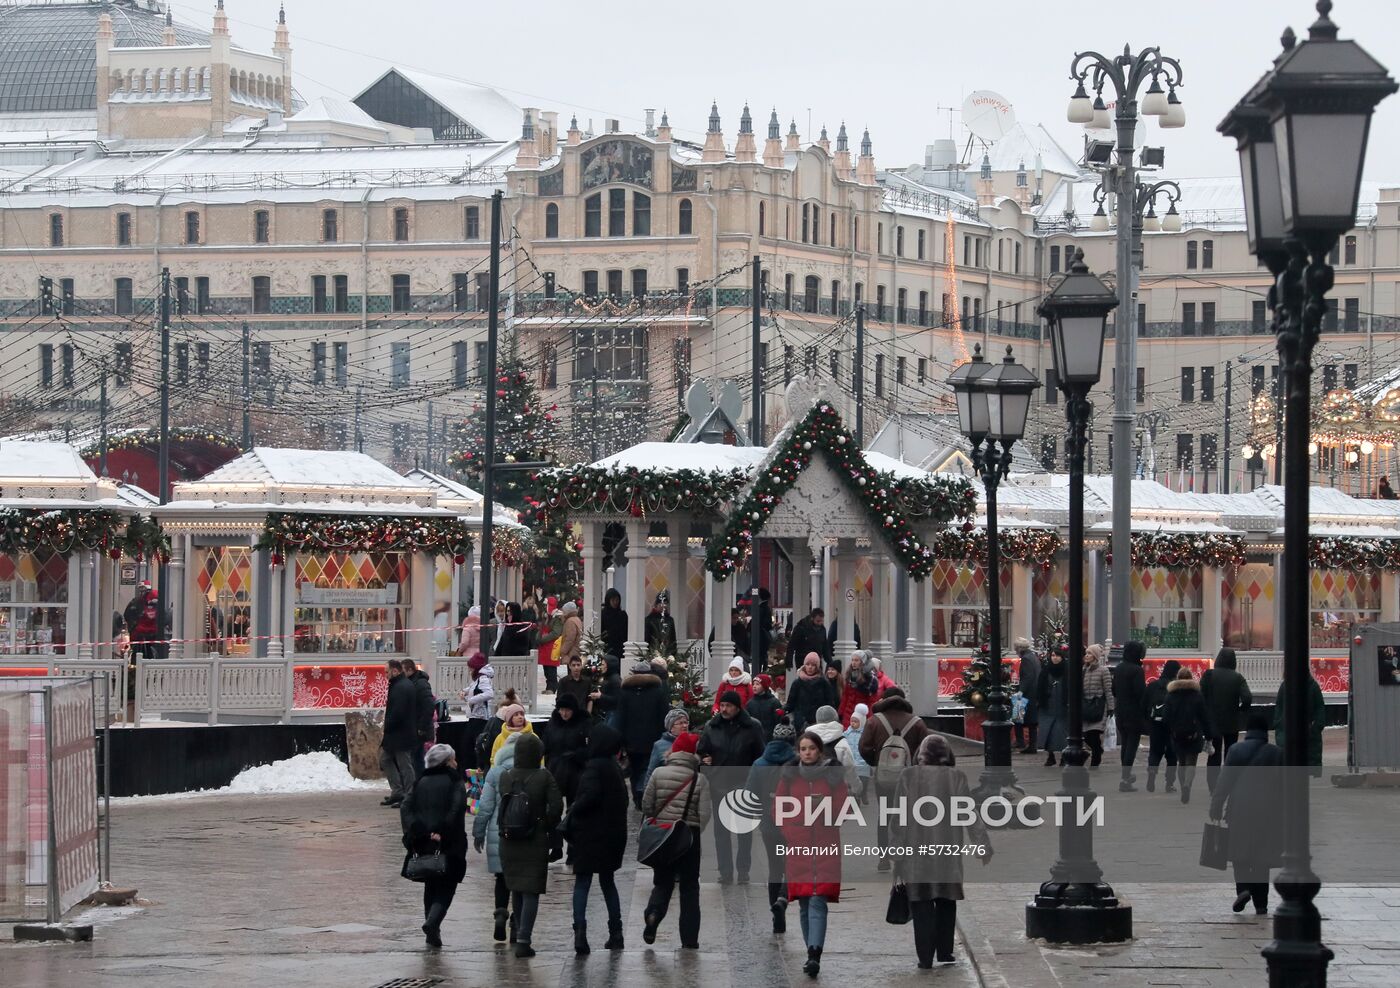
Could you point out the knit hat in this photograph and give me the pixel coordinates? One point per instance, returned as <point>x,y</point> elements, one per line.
<point>686,742</point>
<point>784,731</point>
<point>737,663</point>
<point>438,754</point>
<point>477,662</point>
<point>641,668</point>
<point>569,608</point>
<point>674,716</point>
<point>509,711</point>
<point>764,680</point>
<point>826,714</point>
<point>860,712</point>
<point>731,696</point>
<point>567,701</point>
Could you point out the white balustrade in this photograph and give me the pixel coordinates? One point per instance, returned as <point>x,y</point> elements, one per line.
<point>251,685</point>
<point>174,686</point>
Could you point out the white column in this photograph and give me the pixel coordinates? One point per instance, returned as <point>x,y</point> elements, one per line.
<point>801,580</point>
<point>722,651</point>
<point>418,644</point>
<point>271,624</point>
<point>1390,596</point>
<point>677,552</point>
<point>816,576</point>
<point>1212,624</point>
<point>1022,591</point>
<point>880,639</point>
<point>924,657</point>
<point>75,623</point>
<point>179,624</point>
<point>845,606</point>
<point>592,555</point>
<point>634,600</point>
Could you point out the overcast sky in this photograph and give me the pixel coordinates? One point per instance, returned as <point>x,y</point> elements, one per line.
<point>893,65</point>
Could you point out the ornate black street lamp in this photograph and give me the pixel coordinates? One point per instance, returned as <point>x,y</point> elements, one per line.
<point>993,404</point>
<point>1076,905</point>
<point>1301,132</point>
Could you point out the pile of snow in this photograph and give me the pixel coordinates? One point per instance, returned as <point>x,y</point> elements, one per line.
<point>316,771</point>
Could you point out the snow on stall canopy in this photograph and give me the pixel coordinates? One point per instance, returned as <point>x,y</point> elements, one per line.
<point>47,461</point>
<point>456,496</point>
<point>278,467</point>
<point>669,457</point>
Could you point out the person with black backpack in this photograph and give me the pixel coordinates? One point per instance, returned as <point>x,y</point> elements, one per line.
<point>530,808</point>
<point>1159,738</point>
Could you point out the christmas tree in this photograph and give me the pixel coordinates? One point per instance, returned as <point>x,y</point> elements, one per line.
<point>527,431</point>
<point>977,677</point>
<point>685,675</point>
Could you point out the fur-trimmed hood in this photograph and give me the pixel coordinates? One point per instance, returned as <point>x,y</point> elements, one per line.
<point>640,680</point>
<point>1183,684</point>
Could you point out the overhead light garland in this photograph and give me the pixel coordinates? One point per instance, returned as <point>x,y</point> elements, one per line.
<point>283,533</point>
<point>1187,549</point>
<point>821,432</point>
<point>73,529</point>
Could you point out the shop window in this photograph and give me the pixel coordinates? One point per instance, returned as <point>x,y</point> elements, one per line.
<point>33,603</point>
<point>351,602</point>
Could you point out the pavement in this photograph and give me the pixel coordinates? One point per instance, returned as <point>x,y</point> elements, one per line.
<point>304,890</point>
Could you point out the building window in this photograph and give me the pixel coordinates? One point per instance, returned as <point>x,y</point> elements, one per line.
<point>593,215</point>
<point>342,364</point>
<point>1349,256</point>
<point>262,294</point>
<point>806,221</point>
<point>639,283</point>
<point>590,284</point>
<point>967,251</point>
<point>835,367</point>
<point>262,369</point>
<point>615,285</point>
<point>879,375</point>
<point>202,301</point>
<point>124,300</point>
<point>45,365</point>
<point>923,308</point>
<point>401,223</point>
<point>123,229</point>
<point>342,292</point>
<point>191,227</point>
<point>1184,449</point>
<point>685,217</point>
<point>55,229</point>
<point>459,364</point>
<point>1329,318</point>
<point>1054,260</point>
<point>860,292</point>
<point>1207,318</point>
<point>1208,451</point>
<point>899,365</point>
<point>1258,318</point>
<point>1052,388</point>
<point>1207,384</point>
<point>121,364</point>
<point>977,323</point>
<point>683,281</point>
<point>67,352</point>
<point>262,226</point>
<point>923,369</point>
<point>832,239</point>
<point>399,366</point>
<point>1188,384</point>
<point>551,221</point>
<point>65,287</point>
<point>899,241</point>
<point>1349,375</point>
<point>402,300</point>
<point>318,363</point>
<point>1017,255</point>
<point>787,363</point>
<point>549,366</point>
<point>1207,253</point>
<point>615,352</point>
<point>1190,255</point>
<point>923,240</point>
<point>320,298</point>
<point>461,292</point>
<point>549,289</point>
<point>1048,452</point>
<point>1352,315</point>
<point>483,292</point>
<point>1329,378</point>
<point>880,303</point>
<point>787,291</point>
<point>1188,318</point>
<point>811,290</point>
<point>1141,395</point>
<point>836,298</point>
<point>901,305</point>
<point>1256,381</point>
<point>617,212</point>
<point>472,222</point>
<point>816,224</point>
<point>641,215</point>
<point>330,226</point>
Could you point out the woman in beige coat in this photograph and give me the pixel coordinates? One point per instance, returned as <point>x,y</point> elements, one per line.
<point>1098,691</point>
<point>675,793</point>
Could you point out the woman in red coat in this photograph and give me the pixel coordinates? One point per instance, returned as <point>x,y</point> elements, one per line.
<point>735,679</point>
<point>862,681</point>
<point>813,861</point>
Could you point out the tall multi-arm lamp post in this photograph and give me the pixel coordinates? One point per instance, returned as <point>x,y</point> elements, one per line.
<point>1301,132</point>
<point>993,403</point>
<point>1076,905</point>
<point>1126,75</point>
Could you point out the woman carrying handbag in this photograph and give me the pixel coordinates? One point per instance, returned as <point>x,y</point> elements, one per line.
<point>676,795</point>
<point>434,819</point>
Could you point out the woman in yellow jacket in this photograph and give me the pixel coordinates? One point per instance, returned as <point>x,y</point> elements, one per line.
<point>512,722</point>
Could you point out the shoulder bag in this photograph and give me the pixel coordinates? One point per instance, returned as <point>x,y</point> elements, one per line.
<point>661,844</point>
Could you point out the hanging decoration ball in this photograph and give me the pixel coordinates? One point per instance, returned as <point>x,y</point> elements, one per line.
<point>459,559</point>
<point>977,699</point>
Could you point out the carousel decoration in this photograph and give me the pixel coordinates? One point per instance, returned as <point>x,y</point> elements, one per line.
<point>71,529</point>
<point>1183,549</point>
<point>283,533</point>
<point>821,432</point>
<point>1025,546</point>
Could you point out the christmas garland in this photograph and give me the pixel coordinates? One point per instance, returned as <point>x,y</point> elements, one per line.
<point>1353,553</point>
<point>510,546</point>
<point>1185,549</point>
<point>638,491</point>
<point>284,533</point>
<point>821,431</point>
<point>1017,545</point>
<point>151,437</point>
<point>71,529</point>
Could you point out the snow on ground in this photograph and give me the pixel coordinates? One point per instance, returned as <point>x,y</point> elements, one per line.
<point>315,771</point>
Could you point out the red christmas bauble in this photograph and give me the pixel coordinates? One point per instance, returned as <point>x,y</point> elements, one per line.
<point>459,559</point>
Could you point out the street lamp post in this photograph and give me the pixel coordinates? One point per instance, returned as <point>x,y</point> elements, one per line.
<point>993,404</point>
<point>1076,905</point>
<point>1126,74</point>
<point>1301,132</point>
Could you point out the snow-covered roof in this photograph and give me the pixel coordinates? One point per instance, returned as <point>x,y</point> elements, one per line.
<point>308,480</point>
<point>669,457</point>
<point>52,462</point>
<point>52,475</point>
<point>459,497</point>
<point>482,107</point>
<point>333,109</point>
<point>1020,145</point>
<point>307,467</point>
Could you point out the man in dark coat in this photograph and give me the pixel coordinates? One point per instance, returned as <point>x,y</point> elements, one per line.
<point>597,832</point>
<point>424,710</point>
<point>1247,798</point>
<point>731,740</point>
<point>400,738</point>
<point>1029,679</point>
<point>1228,701</point>
<point>135,606</point>
<point>640,717</point>
<point>660,628</point>
<point>525,860</point>
<point>808,635</point>
<point>1129,698</point>
<point>1317,720</point>
<point>434,819</point>
<point>565,746</point>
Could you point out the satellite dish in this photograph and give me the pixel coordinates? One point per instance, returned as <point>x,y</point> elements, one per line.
<point>988,115</point>
<point>731,403</point>
<point>698,402</point>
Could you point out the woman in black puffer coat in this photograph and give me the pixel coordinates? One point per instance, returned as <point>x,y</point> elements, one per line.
<point>565,748</point>
<point>434,820</point>
<point>1189,723</point>
<point>597,829</point>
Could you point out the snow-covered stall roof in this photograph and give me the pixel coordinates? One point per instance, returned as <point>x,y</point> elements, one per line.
<point>669,457</point>
<point>40,474</point>
<point>456,496</point>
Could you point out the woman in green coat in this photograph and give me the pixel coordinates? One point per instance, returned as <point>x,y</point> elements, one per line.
<point>1317,717</point>
<point>525,860</point>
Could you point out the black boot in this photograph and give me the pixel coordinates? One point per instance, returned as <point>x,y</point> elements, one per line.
<point>1029,748</point>
<point>433,923</point>
<point>1127,785</point>
<point>522,949</point>
<point>779,908</point>
<point>614,935</point>
<point>1151,780</point>
<point>814,962</point>
<point>512,927</point>
<point>499,934</point>
<point>581,938</point>
<point>1171,778</point>
<point>650,923</point>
